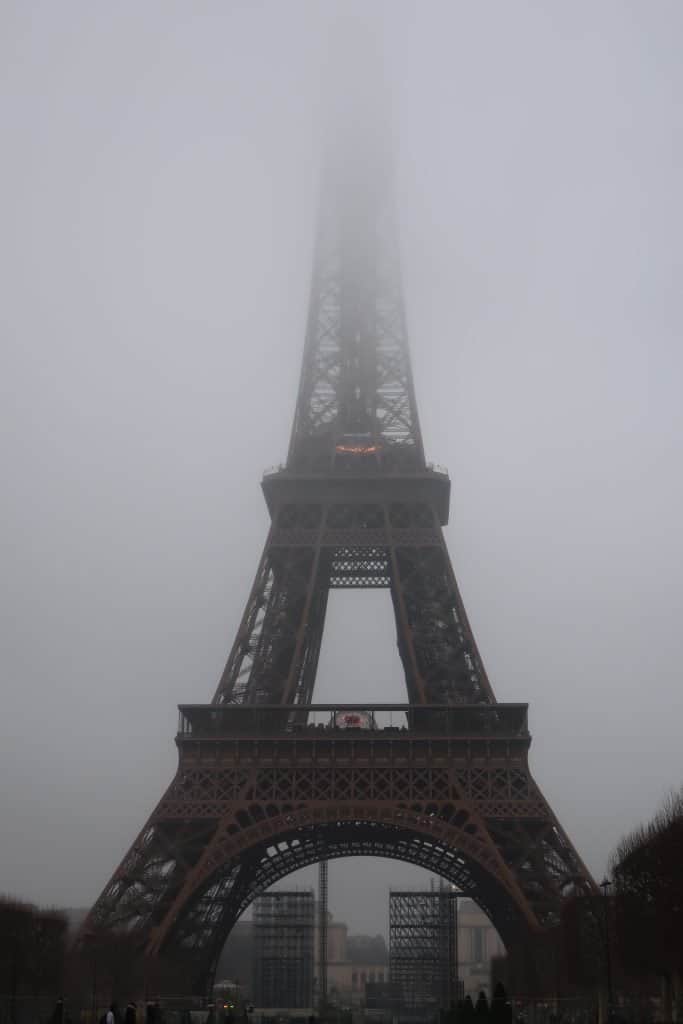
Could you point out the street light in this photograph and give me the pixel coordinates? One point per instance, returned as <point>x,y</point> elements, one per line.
<point>605,886</point>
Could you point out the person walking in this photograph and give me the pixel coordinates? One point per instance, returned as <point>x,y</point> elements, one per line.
<point>481,1010</point>
<point>57,1015</point>
<point>468,1010</point>
<point>501,1009</point>
<point>131,1014</point>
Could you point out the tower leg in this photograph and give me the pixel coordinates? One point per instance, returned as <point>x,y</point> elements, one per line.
<point>275,654</point>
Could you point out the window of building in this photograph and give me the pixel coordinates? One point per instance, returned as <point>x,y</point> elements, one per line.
<point>478,944</point>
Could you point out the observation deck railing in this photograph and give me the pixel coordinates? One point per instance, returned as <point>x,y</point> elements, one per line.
<point>428,467</point>
<point>360,721</point>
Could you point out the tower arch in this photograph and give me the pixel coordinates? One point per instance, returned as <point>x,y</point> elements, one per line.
<point>198,933</point>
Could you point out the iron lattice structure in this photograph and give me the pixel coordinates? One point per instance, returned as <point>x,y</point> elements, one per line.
<point>260,790</point>
<point>423,937</point>
<point>283,949</point>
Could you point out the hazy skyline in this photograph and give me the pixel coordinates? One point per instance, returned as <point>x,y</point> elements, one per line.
<point>160,176</point>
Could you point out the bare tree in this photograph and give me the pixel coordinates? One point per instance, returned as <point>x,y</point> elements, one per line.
<point>32,950</point>
<point>648,901</point>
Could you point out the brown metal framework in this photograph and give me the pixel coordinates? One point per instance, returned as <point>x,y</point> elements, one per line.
<point>268,782</point>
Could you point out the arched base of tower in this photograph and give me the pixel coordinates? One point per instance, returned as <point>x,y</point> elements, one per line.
<point>259,793</point>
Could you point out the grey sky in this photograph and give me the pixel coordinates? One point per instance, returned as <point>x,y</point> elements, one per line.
<point>159,176</point>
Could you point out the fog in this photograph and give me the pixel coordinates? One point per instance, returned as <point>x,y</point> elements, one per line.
<point>159,182</point>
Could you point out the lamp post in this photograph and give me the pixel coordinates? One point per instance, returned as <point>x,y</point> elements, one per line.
<point>605,886</point>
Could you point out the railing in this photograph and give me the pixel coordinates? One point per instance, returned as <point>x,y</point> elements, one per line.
<point>363,721</point>
<point>430,467</point>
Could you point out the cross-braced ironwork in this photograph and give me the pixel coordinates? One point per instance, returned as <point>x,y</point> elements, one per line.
<point>267,782</point>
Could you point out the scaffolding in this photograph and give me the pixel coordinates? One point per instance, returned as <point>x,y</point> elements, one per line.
<point>322,933</point>
<point>283,949</point>
<point>423,948</point>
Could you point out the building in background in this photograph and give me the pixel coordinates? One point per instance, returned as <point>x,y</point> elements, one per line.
<point>353,961</point>
<point>356,961</point>
<point>478,944</point>
<point>369,957</point>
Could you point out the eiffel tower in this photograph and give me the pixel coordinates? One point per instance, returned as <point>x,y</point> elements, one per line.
<point>269,782</point>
